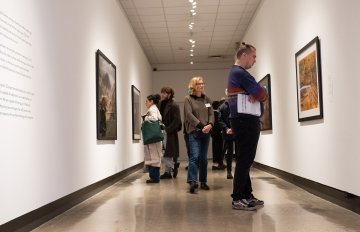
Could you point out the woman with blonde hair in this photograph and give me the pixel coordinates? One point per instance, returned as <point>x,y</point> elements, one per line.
<point>198,121</point>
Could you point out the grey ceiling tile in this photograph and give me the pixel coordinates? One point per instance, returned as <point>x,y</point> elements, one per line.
<point>147,3</point>
<point>152,18</point>
<point>153,24</point>
<point>207,10</point>
<point>233,2</point>
<point>224,9</point>
<point>177,10</point>
<point>224,22</point>
<point>174,3</point>
<point>229,16</point>
<point>207,2</point>
<point>127,4</point>
<point>150,11</point>
<point>156,30</point>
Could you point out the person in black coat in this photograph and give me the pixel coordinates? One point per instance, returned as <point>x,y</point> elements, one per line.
<point>171,118</point>
<point>217,141</point>
<point>227,136</point>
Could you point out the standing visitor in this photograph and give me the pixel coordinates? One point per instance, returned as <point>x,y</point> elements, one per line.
<point>245,127</point>
<point>170,113</point>
<point>152,151</point>
<point>198,119</point>
<point>228,138</point>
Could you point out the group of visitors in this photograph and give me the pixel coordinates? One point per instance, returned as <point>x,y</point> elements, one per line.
<point>222,121</point>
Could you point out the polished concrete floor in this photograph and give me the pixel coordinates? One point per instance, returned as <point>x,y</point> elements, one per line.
<point>133,205</point>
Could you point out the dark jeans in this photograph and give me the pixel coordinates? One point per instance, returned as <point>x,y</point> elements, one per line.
<point>198,158</point>
<point>246,133</point>
<point>154,173</point>
<point>186,139</point>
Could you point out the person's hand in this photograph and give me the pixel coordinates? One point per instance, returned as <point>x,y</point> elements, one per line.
<point>207,129</point>
<point>251,99</point>
<point>229,131</point>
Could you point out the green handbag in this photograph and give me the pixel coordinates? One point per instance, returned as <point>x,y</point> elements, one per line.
<point>151,132</point>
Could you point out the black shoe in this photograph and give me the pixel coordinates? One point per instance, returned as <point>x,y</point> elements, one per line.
<point>175,170</point>
<point>187,167</point>
<point>193,186</point>
<point>204,186</point>
<point>166,175</point>
<point>151,181</point>
<point>253,200</point>
<point>229,176</point>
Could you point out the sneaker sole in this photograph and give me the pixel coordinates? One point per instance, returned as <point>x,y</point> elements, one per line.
<point>245,209</point>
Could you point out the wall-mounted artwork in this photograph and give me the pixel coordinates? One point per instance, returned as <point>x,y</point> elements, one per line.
<point>308,82</point>
<point>105,98</point>
<point>266,118</point>
<point>136,114</point>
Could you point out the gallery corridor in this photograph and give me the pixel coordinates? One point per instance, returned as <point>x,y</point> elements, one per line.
<point>133,205</point>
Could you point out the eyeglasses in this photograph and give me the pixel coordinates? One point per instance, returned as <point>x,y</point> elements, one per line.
<point>200,83</point>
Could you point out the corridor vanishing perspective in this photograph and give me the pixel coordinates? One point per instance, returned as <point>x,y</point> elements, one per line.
<point>133,205</point>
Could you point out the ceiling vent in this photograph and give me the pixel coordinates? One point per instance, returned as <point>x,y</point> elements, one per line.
<point>218,57</point>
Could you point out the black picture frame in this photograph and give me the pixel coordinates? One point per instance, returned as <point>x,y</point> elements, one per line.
<point>266,118</point>
<point>136,113</point>
<point>308,81</point>
<point>106,116</point>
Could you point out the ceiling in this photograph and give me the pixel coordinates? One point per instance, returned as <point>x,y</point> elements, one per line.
<point>163,29</point>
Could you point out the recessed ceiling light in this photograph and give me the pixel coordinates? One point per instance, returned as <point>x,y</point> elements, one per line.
<point>191,62</point>
<point>191,1</point>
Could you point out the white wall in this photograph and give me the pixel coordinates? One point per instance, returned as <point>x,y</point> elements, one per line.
<point>215,80</point>
<point>54,151</point>
<point>325,151</point>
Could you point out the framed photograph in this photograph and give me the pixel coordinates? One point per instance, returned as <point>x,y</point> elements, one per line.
<point>266,118</point>
<point>308,82</point>
<point>106,118</point>
<point>136,113</point>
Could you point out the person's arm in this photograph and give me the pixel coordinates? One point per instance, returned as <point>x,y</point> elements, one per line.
<point>206,129</point>
<point>175,123</point>
<point>188,114</point>
<point>256,91</point>
<point>151,114</point>
<point>222,119</point>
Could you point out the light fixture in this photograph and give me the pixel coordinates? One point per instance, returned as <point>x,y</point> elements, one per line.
<point>191,25</point>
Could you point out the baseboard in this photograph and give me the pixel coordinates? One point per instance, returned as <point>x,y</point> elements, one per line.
<point>43,214</point>
<point>338,197</point>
